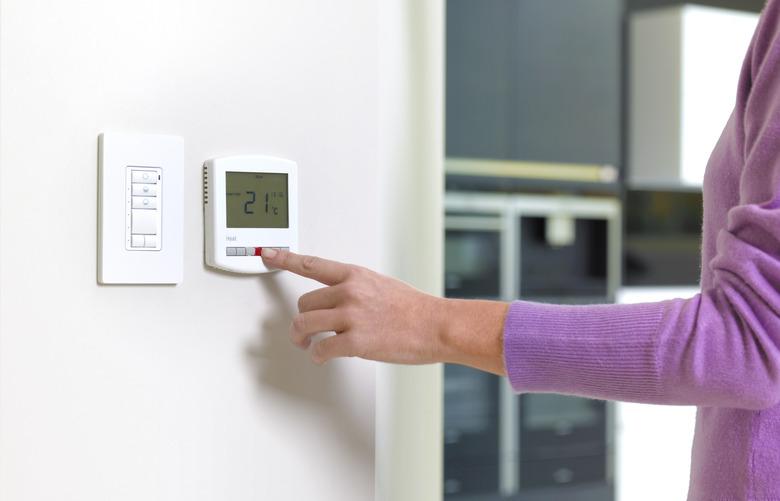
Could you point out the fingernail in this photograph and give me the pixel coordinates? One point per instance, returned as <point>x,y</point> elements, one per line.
<point>269,253</point>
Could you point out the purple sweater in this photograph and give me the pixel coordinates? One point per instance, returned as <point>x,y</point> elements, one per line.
<point>719,350</point>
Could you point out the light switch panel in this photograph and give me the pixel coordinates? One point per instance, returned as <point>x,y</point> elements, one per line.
<point>140,209</point>
<point>143,213</point>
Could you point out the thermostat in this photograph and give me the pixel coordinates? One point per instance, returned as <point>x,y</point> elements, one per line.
<point>249,202</point>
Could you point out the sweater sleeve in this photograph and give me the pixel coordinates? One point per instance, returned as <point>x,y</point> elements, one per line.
<point>719,348</point>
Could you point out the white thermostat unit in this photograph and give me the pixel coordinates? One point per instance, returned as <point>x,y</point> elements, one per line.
<point>249,202</point>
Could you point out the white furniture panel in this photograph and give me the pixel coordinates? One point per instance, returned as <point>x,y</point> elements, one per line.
<point>685,65</point>
<point>653,458</point>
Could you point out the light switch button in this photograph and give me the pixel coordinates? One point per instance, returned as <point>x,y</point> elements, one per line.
<point>144,176</point>
<point>138,241</point>
<point>150,241</point>
<point>144,190</point>
<point>144,222</point>
<point>144,202</point>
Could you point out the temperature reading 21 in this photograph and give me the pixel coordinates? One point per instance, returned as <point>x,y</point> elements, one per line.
<point>271,199</point>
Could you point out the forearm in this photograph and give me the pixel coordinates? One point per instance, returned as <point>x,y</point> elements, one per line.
<point>708,350</point>
<point>597,351</point>
<point>471,333</point>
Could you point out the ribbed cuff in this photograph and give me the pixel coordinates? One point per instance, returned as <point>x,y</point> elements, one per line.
<point>598,351</point>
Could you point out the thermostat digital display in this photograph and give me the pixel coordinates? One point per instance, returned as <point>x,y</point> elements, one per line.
<point>257,200</point>
<point>249,202</point>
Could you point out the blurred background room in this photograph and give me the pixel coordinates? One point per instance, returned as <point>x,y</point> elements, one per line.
<point>577,133</point>
<point>549,150</point>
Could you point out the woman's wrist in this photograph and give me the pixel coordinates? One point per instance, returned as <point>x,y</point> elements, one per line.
<point>471,333</point>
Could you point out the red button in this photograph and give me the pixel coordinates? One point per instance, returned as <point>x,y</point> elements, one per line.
<point>258,251</point>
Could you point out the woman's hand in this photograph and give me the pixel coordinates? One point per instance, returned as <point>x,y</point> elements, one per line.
<point>380,318</point>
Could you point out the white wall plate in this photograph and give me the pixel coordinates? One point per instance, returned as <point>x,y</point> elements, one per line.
<point>140,209</point>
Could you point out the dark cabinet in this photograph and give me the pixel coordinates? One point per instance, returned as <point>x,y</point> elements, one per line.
<point>569,273</point>
<point>472,398</point>
<point>567,470</point>
<point>471,431</point>
<point>748,5</point>
<point>535,80</point>
<point>497,445</point>
<point>541,80</point>
<point>562,441</point>
<point>662,238</point>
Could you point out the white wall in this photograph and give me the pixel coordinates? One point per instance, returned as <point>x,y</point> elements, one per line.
<point>410,399</point>
<point>190,392</point>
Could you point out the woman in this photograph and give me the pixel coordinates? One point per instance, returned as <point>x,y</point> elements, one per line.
<point>719,350</point>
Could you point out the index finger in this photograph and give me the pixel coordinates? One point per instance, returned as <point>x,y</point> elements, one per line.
<point>319,269</point>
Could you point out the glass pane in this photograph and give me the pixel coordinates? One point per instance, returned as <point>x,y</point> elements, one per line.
<point>472,264</point>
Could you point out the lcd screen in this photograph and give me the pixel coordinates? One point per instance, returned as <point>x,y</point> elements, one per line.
<point>256,200</point>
